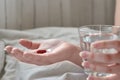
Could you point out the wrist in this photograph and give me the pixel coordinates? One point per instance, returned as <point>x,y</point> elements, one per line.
<point>75,58</point>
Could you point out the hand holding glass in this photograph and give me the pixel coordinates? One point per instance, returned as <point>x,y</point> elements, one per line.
<point>91,33</point>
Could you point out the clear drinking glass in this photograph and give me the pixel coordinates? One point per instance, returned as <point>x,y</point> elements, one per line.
<point>92,33</point>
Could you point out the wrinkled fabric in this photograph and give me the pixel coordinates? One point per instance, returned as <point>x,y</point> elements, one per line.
<point>16,70</point>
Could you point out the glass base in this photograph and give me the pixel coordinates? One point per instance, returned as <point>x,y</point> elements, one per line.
<point>97,74</point>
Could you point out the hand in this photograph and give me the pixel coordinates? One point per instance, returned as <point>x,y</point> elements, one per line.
<point>99,62</point>
<point>60,51</point>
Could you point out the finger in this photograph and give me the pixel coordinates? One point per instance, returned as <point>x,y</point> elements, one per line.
<point>111,68</point>
<point>29,44</point>
<point>110,77</point>
<point>100,57</point>
<point>8,49</point>
<point>18,54</point>
<point>107,44</point>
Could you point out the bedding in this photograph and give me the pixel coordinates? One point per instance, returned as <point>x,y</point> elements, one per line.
<point>2,55</point>
<point>12,69</point>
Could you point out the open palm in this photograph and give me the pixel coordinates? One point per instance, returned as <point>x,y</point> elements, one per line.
<point>60,51</point>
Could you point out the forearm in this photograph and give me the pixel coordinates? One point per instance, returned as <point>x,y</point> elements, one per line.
<point>117,13</point>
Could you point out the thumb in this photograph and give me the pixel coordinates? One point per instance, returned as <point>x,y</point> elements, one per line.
<point>29,44</point>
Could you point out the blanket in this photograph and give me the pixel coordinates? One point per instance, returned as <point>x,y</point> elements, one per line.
<point>12,69</point>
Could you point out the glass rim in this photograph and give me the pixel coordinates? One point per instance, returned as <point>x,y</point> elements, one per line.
<point>115,29</point>
<point>98,25</point>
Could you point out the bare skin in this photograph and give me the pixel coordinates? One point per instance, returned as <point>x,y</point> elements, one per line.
<point>108,63</point>
<point>117,13</point>
<point>60,51</point>
<point>100,64</point>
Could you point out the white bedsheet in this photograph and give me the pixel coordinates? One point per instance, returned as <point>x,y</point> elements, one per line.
<point>16,70</point>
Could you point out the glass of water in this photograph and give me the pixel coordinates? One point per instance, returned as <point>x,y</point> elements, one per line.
<point>92,33</point>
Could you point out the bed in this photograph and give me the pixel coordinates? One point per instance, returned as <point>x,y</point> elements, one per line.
<point>30,20</point>
<point>12,69</point>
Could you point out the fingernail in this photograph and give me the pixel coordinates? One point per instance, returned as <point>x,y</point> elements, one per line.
<point>85,64</point>
<point>90,78</point>
<point>84,54</point>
